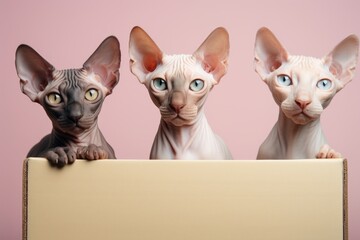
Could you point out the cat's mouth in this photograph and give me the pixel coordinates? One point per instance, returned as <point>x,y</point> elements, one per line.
<point>178,119</point>
<point>302,113</point>
<point>302,118</point>
<point>77,128</point>
<point>74,128</point>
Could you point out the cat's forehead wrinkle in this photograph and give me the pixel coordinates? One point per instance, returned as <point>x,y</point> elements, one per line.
<point>178,63</point>
<point>77,78</point>
<point>69,77</point>
<point>184,67</point>
<point>304,68</point>
<point>305,62</point>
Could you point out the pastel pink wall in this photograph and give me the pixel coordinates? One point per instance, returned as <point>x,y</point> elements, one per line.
<point>240,108</point>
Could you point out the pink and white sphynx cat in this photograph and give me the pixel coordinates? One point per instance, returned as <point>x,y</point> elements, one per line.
<point>178,85</point>
<point>302,87</point>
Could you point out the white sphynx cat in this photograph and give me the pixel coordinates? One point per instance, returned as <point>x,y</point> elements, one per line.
<point>302,87</point>
<point>178,85</point>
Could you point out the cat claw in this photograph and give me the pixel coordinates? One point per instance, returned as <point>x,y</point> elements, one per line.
<point>327,152</point>
<point>60,156</point>
<point>91,152</point>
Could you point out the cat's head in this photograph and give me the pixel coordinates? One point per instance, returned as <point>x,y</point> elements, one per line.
<point>72,98</point>
<point>178,84</point>
<point>304,86</point>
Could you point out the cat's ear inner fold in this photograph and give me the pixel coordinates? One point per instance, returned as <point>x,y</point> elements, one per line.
<point>33,70</point>
<point>145,55</point>
<point>105,62</point>
<point>214,53</point>
<point>343,58</point>
<point>269,53</point>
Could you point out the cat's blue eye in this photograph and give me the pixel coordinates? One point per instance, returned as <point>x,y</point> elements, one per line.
<point>284,80</point>
<point>159,84</point>
<point>324,84</point>
<point>196,85</point>
<point>53,98</point>
<point>91,94</point>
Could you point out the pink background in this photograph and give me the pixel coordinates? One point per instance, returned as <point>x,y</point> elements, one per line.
<point>240,108</point>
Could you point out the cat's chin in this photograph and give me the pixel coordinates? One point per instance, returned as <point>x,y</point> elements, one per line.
<point>73,130</point>
<point>179,122</point>
<point>301,119</point>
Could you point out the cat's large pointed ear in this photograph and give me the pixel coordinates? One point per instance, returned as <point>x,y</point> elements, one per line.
<point>269,53</point>
<point>145,55</point>
<point>214,53</point>
<point>33,70</point>
<point>105,62</point>
<point>343,58</point>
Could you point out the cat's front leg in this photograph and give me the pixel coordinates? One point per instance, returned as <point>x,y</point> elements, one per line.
<point>327,152</point>
<point>92,152</point>
<point>60,156</point>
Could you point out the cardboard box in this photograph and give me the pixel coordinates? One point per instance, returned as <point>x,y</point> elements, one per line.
<point>186,200</point>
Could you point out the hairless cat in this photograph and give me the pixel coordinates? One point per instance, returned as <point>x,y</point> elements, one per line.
<point>178,85</point>
<point>302,87</point>
<point>72,99</point>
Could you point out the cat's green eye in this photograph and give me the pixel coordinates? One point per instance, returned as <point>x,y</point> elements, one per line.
<point>159,84</point>
<point>91,94</point>
<point>284,80</point>
<point>54,98</point>
<point>324,84</point>
<point>196,85</point>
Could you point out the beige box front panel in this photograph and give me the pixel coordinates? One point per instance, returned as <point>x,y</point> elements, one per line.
<point>186,200</point>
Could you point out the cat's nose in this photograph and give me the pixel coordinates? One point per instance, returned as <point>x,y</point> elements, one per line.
<point>177,101</point>
<point>303,103</point>
<point>75,111</point>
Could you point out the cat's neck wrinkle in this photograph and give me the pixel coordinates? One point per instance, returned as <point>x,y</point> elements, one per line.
<point>181,137</point>
<point>290,133</point>
<point>90,135</point>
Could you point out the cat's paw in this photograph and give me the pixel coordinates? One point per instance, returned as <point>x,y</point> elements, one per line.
<point>327,152</point>
<point>91,152</point>
<point>60,156</point>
